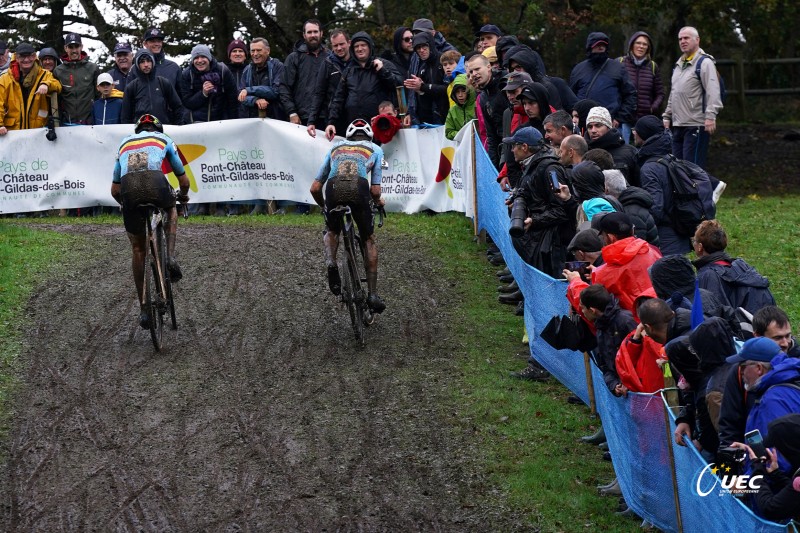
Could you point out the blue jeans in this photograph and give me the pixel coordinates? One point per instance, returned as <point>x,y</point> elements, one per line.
<point>690,143</point>
<point>625,130</point>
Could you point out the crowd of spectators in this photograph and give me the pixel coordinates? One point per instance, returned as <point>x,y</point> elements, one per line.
<point>585,157</point>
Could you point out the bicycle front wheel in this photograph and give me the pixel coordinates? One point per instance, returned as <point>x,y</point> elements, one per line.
<point>152,288</point>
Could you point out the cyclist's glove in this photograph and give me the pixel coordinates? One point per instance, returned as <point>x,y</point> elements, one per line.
<point>183,198</point>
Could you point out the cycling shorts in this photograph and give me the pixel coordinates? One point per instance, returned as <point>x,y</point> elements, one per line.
<point>143,187</point>
<point>355,194</point>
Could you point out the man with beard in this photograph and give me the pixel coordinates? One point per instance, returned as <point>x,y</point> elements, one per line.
<point>366,82</point>
<point>300,75</point>
<point>402,50</point>
<point>78,77</point>
<point>328,77</point>
<point>605,81</point>
<point>600,133</point>
<point>149,93</point>
<point>123,62</point>
<point>154,42</point>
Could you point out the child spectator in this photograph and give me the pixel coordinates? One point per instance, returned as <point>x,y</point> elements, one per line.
<point>463,109</point>
<point>453,63</point>
<point>107,109</point>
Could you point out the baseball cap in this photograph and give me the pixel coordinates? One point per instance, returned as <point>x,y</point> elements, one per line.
<point>489,28</point>
<point>515,80</point>
<point>761,349</point>
<point>615,224</point>
<point>105,77</point>
<point>422,25</point>
<point>153,33</point>
<point>527,135</point>
<point>72,38</point>
<point>587,240</point>
<point>122,47</point>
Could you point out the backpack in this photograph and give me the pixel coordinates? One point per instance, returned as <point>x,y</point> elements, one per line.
<point>692,195</point>
<point>723,93</point>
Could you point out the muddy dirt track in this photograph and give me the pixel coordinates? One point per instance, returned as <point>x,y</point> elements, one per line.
<point>260,415</point>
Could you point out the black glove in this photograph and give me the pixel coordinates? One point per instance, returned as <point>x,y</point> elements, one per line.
<point>183,198</point>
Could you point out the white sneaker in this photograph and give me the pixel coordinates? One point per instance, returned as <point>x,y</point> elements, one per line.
<point>718,191</point>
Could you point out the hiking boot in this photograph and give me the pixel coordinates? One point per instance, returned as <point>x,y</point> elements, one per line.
<point>497,260</point>
<point>507,278</point>
<point>532,372</point>
<point>511,299</point>
<point>175,273</point>
<point>504,272</point>
<point>603,446</point>
<point>597,438</point>
<point>520,310</point>
<point>612,490</point>
<point>334,280</point>
<point>375,303</point>
<point>144,319</point>
<point>511,287</point>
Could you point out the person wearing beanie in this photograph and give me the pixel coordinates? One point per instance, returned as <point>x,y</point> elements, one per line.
<point>654,177</point>
<point>604,80</point>
<point>24,89</point>
<point>153,41</point>
<point>150,93</point>
<point>237,60</point>
<point>601,133</point>
<point>208,89</point>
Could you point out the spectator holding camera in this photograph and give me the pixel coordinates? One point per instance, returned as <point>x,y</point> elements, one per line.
<point>779,497</point>
<point>208,88</point>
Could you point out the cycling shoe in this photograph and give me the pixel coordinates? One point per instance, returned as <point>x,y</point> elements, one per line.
<point>334,280</point>
<point>144,319</point>
<point>175,273</point>
<point>375,303</point>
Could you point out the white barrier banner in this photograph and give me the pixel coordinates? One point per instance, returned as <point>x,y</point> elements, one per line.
<point>244,159</point>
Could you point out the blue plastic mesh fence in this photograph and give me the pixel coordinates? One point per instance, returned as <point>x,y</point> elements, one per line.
<point>638,436</point>
<point>544,296</point>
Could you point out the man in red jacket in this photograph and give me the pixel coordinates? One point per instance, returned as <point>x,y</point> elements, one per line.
<point>626,259</point>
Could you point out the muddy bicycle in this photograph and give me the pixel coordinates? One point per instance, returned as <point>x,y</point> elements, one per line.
<point>157,287</point>
<point>353,272</point>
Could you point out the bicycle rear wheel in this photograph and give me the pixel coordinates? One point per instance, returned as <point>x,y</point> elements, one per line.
<point>170,303</point>
<point>359,297</point>
<point>151,282</point>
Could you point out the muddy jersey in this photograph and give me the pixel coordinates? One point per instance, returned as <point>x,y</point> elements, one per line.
<point>353,158</point>
<point>146,150</point>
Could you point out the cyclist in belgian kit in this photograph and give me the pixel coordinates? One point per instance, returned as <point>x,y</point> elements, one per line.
<point>344,176</point>
<point>139,179</point>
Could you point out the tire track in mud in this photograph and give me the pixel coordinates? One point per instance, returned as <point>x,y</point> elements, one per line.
<point>260,414</point>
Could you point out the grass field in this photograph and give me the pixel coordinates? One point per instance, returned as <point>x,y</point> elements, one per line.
<point>527,433</point>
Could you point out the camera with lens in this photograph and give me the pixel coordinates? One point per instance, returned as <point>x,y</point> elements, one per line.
<point>731,457</point>
<point>51,130</point>
<point>519,212</point>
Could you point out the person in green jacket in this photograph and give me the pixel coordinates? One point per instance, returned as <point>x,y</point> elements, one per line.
<point>464,109</point>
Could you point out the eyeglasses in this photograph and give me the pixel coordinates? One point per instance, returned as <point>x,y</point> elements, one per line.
<point>745,364</point>
<point>408,39</point>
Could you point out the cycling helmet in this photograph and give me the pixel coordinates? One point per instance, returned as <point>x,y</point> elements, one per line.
<point>149,119</point>
<point>359,126</point>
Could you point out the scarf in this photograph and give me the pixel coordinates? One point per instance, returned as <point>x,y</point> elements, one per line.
<point>30,79</point>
